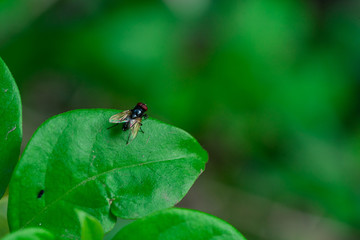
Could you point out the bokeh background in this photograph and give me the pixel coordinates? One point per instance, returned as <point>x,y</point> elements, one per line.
<point>270,88</point>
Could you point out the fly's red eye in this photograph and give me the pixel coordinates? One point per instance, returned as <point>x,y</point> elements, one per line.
<point>143,106</point>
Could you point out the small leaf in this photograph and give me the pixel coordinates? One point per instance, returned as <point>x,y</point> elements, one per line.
<point>79,163</point>
<point>90,227</point>
<point>179,224</point>
<point>4,229</point>
<point>30,234</point>
<point>10,126</point>
<point>120,223</point>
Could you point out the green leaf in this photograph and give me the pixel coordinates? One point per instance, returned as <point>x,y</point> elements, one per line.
<point>91,228</point>
<point>79,163</point>
<point>120,223</point>
<point>4,229</point>
<point>10,126</point>
<point>30,234</point>
<point>178,224</point>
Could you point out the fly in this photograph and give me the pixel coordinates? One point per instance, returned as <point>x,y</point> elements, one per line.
<point>131,119</point>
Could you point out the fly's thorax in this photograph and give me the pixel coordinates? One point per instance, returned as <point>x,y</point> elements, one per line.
<point>137,112</point>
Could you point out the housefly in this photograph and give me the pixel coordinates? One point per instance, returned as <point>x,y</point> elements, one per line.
<point>131,119</point>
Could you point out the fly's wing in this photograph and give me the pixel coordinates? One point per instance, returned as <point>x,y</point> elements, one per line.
<point>120,117</point>
<point>135,125</point>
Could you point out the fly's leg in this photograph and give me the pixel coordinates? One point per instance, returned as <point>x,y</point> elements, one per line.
<point>113,125</point>
<point>141,125</point>
<point>145,116</point>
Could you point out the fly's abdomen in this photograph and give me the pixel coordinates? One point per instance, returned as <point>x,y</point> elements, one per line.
<point>125,126</point>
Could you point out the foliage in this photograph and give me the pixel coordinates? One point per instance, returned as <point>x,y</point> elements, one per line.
<point>4,229</point>
<point>269,87</point>
<point>30,234</point>
<point>10,127</point>
<point>180,224</point>
<point>102,175</point>
<point>91,228</point>
<point>99,173</point>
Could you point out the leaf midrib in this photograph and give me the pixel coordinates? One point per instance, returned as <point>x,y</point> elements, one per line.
<point>95,177</point>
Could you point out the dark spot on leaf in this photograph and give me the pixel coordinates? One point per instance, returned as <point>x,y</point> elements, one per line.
<point>40,193</point>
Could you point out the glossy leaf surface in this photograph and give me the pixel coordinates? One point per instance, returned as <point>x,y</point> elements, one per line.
<point>76,162</point>
<point>30,234</point>
<point>179,224</point>
<point>10,125</point>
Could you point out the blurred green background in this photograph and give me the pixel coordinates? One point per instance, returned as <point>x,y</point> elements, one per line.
<point>270,88</point>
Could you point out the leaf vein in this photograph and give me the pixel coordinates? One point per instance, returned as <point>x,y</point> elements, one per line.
<point>93,178</point>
